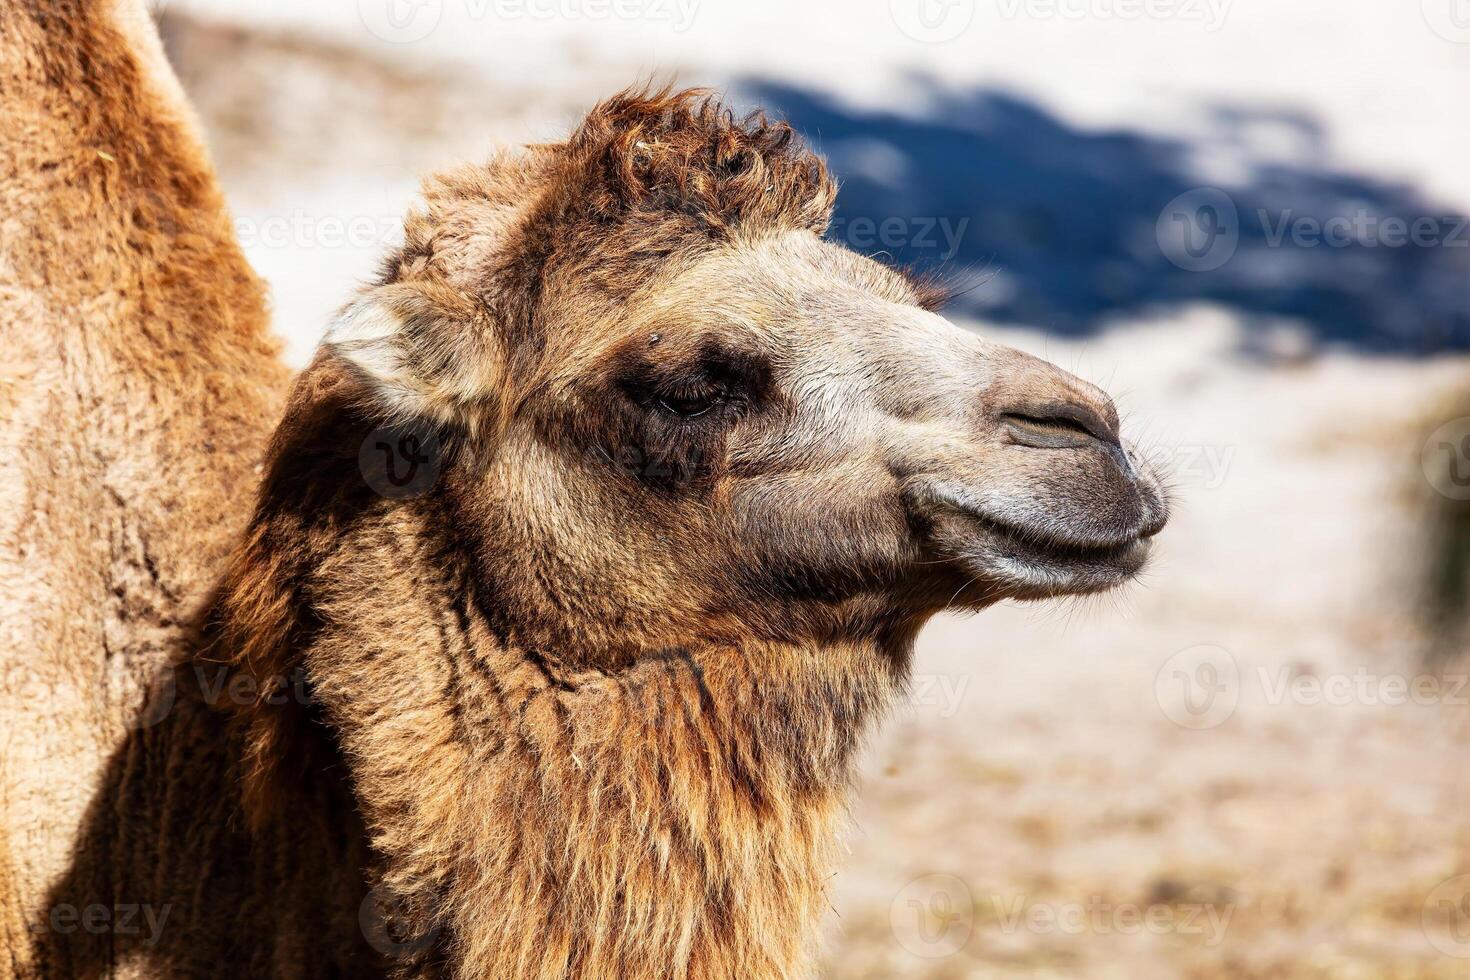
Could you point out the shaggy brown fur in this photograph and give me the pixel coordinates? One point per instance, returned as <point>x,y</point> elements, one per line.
<point>137,388</point>
<point>584,702</point>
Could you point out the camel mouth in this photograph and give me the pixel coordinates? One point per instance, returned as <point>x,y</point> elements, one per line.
<point>1035,556</point>
<point>1035,563</point>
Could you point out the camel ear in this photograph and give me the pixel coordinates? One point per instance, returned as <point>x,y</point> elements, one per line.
<point>425,351</point>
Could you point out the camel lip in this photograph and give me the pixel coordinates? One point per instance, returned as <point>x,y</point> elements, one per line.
<point>943,498</point>
<point>1044,536</point>
<point>1027,563</point>
<point>1013,538</point>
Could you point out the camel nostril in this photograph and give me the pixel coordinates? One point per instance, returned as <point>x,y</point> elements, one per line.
<point>1060,425</point>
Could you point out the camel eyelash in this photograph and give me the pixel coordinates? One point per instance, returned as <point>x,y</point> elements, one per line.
<point>689,390</point>
<point>690,407</point>
<point>696,397</point>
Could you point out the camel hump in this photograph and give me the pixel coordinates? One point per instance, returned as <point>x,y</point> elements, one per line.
<point>113,220</point>
<point>138,384</point>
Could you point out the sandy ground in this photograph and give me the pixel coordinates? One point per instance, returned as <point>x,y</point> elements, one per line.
<point>1234,769</point>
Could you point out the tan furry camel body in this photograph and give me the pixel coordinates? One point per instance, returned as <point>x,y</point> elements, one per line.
<point>138,383</point>
<point>589,546</point>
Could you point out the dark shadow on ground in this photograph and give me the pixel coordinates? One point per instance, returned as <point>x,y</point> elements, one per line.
<point>1065,229</point>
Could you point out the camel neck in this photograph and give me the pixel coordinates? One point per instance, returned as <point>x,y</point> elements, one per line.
<point>680,817</point>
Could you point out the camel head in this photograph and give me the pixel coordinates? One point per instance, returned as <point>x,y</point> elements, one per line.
<point>669,411</point>
<point>666,403</point>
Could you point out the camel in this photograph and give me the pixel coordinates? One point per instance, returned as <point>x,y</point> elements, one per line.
<point>581,558</point>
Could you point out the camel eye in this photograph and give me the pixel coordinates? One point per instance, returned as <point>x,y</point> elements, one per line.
<point>690,406</point>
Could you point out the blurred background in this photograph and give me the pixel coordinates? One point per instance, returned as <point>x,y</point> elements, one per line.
<point>1245,218</point>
